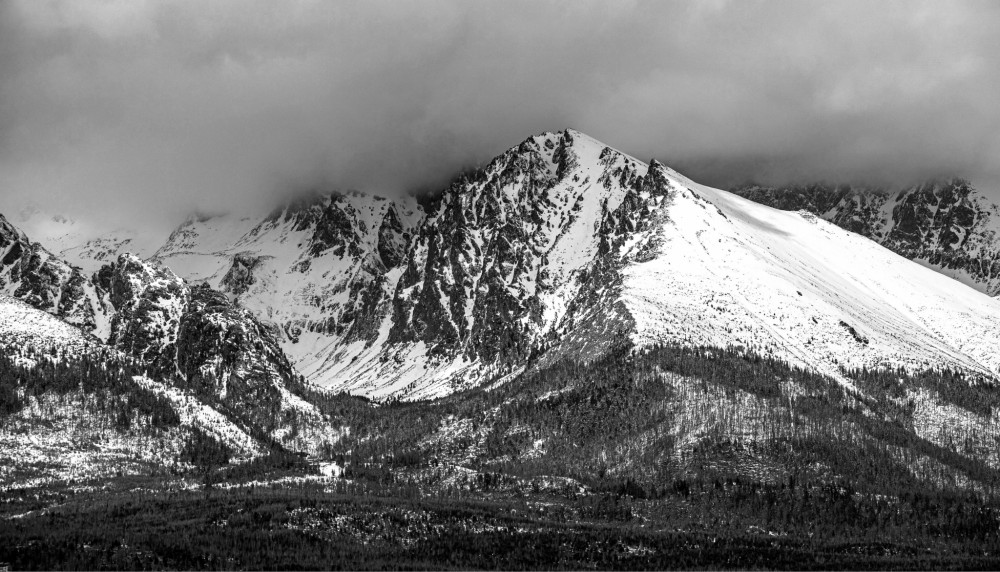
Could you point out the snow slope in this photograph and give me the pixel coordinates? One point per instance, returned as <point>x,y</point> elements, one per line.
<point>20,324</point>
<point>727,271</point>
<point>944,224</point>
<point>58,436</point>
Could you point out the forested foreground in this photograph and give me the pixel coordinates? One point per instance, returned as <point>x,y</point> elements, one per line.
<point>364,526</point>
<point>677,414</point>
<point>668,458</point>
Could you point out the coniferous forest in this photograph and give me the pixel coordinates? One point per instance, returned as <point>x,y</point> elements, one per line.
<point>669,457</point>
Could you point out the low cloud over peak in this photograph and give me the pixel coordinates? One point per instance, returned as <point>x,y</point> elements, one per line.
<point>147,110</point>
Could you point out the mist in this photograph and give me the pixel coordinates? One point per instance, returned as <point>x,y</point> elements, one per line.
<point>138,112</point>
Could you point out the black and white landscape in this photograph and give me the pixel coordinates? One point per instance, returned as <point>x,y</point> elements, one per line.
<point>311,285</point>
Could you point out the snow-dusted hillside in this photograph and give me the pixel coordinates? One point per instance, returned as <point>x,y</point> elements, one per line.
<point>22,325</point>
<point>722,270</point>
<point>183,335</point>
<point>946,225</point>
<point>77,430</point>
<point>198,338</point>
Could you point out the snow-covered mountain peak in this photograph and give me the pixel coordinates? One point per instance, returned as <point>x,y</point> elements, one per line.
<point>493,268</point>
<point>560,246</point>
<point>564,246</point>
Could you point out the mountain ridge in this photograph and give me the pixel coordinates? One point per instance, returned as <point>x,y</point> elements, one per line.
<point>552,249</point>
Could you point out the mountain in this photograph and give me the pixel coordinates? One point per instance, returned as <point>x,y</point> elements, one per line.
<point>205,343</point>
<point>559,248</point>
<point>562,246</point>
<point>73,408</point>
<point>565,243</point>
<point>567,341</point>
<point>376,297</point>
<point>946,225</point>
<point>317,269</point>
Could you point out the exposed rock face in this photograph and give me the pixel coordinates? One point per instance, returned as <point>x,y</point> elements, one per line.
<point>393,239</point>
<point>240,276</point>
<point>946,224</point>
<point>31,273</point>
<point>218,342</point>
<point>201,340</point>
<point>195,332</point>
<point>333,228</point>
<point>331,224</point>
<point>224,351</point>
<point>149,302</point>
<point>495,267</point>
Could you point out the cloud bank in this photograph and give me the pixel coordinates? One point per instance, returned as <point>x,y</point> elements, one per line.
<point>144,110</point>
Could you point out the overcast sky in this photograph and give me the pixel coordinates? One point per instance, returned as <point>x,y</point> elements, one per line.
<point>146,110</point>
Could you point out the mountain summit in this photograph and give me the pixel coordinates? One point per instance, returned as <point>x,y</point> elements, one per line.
<point>563,246</point>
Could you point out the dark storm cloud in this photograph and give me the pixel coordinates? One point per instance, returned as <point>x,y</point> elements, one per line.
<point>160,107</point>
